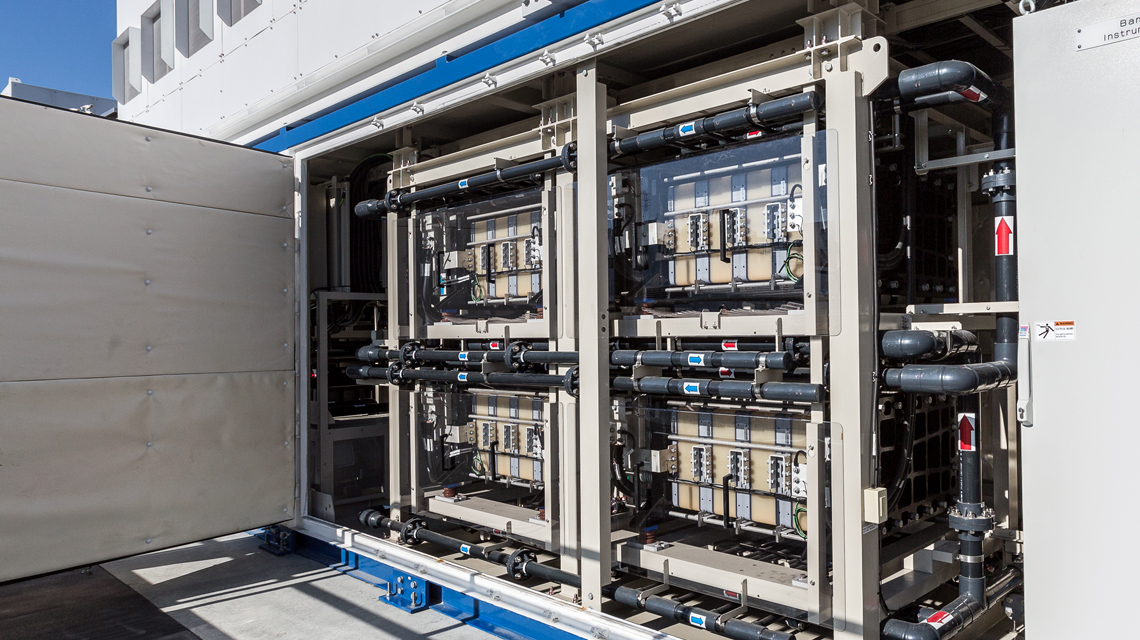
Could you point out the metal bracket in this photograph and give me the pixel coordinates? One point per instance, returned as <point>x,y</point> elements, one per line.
<point>741,610</point>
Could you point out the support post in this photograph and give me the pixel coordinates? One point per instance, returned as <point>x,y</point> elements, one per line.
<point>853,366</point>
<point>594,321</point>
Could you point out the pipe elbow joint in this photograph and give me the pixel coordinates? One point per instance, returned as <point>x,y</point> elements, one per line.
<point>900,630</point>
<point>950,75</point>
<point>904,345</point>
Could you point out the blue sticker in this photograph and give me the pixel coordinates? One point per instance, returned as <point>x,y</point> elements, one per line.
<point>463,356</point>
<point>696,360</point>
<point>463,377</point>
<point>465,549</point>
<point>696,620</point>
<point>463,183</point>
<point>692,388</point>
<point>687,129</point>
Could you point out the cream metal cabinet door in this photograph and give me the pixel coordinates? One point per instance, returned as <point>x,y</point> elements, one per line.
<point>147,328</point>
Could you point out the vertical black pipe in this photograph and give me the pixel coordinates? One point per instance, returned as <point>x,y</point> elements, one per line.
<point>971,577</point>
<point>1004,199</point>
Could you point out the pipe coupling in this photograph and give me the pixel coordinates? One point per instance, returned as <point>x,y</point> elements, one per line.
<point>966,522</point>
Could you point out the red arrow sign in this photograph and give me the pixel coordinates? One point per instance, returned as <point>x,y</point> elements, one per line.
<point>966,432</point>
<point>1004,231</point>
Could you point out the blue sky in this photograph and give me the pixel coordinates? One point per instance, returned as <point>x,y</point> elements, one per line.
<point>60,44</point>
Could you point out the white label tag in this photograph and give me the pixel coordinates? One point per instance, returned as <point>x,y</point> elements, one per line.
<point>1055,330</point>
<point>1108,32</point>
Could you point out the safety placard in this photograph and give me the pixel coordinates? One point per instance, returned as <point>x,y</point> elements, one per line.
<point>1003,236</point>
<point>967,432</point>
<point>1051,330</point>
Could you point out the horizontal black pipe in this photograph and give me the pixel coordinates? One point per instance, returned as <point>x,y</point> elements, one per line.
<point>420,533</point>
<point>951,379</point>
<point>778,391</point>
<point>376,354</point>
<point>695,616</point>
<point>704,359</point>
<point>960,77</point>
<point>755,115</point>
<point>927,345</point>
<point>499,345</point>
<point>397,375</point>
<point>510,357</point>
<point>548,357</point>
<point>726,345</point>
<point>397,200</point>
<point>751,116</point>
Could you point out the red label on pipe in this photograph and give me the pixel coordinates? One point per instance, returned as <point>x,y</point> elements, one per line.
<point>938,619</point>
<point>1003,232</point>
<point>973,94</point>
<point>728,345</point>
<point>967,432</point>
<point>725,372</point>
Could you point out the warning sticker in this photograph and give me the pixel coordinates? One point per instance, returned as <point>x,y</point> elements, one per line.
<point>1055,330</point>
<point>967,432</point>
<point>938,619</point>
<point>1023,332</point>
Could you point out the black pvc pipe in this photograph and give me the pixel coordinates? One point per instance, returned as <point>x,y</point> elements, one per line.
<point>725,345</point>
<point>778,391</point>
<point>499,345</point>
<point>704,359</point>
<point>750,116</point>
<point>395,374</point>
<point>695,616</point>
<point>754,115</point>
<point>397,200</point>
<point>927,345</point>
<point>521,356</point>
<point>960,77</point>
<point>951,379</point>
<point>1003,195</point>
<point>951,619</point>
<point>420,533</point>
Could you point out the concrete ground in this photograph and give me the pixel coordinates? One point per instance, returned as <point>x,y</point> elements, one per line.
<point>228,589</point>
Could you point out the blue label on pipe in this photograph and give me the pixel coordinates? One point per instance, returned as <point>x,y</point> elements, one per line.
<point>696,360</point>
<point>463,183</point>
<point>696,620</point>
<point>687,129</point>
<point>466,549</point>
<point>463,377</point>
<point>463,356</point>
<point>692,388</point>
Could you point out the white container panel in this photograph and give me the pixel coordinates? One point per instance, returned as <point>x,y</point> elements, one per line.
<point>256,70</point>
